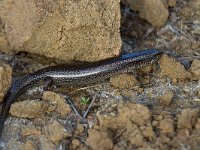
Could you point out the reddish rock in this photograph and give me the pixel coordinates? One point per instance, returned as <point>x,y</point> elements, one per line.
<point>56,30</point>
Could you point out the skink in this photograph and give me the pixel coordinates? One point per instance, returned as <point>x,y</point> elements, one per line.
<point>74,76</point>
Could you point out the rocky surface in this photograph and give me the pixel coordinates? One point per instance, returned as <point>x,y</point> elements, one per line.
<point>55,132</point>
<point>166,98</point>
<point>29,108</point>
<point>195,69</point>
<point>123,81</point>
<point>67,30</point>
<point>134,135</point>
<point>173,69</point>
<point>155,108</point>
<point>35,108</point>
<point>154,11</point>
<point>59,102</point>
<point>5,78</point>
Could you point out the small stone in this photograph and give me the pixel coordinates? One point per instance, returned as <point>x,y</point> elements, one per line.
<point>171,3</point>
<point>45,144</point>
<point>175,81</point>
<point>146,69</point>
<point>163,80</point>
<point>5,79</point>
<point>183,133</point>
<point>14,144</point>
<point>29,109</point>
<point>123,81</point>
<point>127,93</point>
<point>55,131</point>
<point>140,90</point>
<point>173,69</point>
<point>99,140</point>
<point>61,106</point>
<point>148,132</point>
<point>145,81</point>
<point>197,125</point>
<point>137,113</point>
<point>159,117</point>
<point>167,125</point>
<point>79,129</point>
<point>166,98</point>
<point>136,138</point>
<point>153,11</point>
<point>31,130</point>
<point>29,145</point>
<point>195,69</point>
<point>4,45</point>
<point>75,143</point>
<point>187,118</point>
<point>155,123</point>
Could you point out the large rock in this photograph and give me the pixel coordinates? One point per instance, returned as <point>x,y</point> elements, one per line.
<point>5,79</point>
<point>67,29</point>
<point>153,11</point>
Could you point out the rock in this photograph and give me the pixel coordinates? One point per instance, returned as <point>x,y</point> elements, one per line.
<point>188,118</point>
<point>123,81</point>
<point>45,143</point>
<point>99,140</point>
<point>192,9</point>
<point>4,46</point>
<point>5,79</point>
<point>148,132</point>
<point>137,113</point>
<point>14,144</point>
<point>167,125</point>
<point>173,69</point>
<point>68,30</point>
<point>75,143</point>
<point>133,134</point>
<point>146,69</point>
<point>55,99</point>
<point>29,109</point>
<point>29,145</point>
<point>31,130</point>
<point>166,98</point>
<point>55,132</point>
<point>153,11</point>
<point>171,3</point>
<point>195,69</point>
<point>197,125</point>
<point>79,129</point>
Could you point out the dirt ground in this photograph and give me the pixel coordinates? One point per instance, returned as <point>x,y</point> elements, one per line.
<point>157,107</point>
